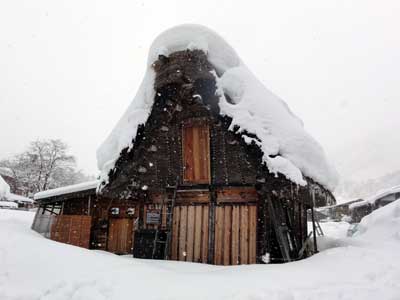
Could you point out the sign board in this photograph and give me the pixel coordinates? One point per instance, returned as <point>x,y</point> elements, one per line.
<point>153,216</point>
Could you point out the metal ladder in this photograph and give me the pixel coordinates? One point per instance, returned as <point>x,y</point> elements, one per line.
<point>169,213</point>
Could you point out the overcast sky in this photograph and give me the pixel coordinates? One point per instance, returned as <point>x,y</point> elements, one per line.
<point>69,69</point>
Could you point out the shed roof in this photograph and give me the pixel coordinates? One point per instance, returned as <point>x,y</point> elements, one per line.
<point>84,186</point>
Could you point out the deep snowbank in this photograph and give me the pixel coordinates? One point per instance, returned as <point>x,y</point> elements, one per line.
<point>288,148</point>
<point>32,267</point>
<point>382,224</point>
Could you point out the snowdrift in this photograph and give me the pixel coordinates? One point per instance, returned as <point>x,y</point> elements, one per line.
<point>382,224</point>
<point>288,149</point>
<point>366,270</point>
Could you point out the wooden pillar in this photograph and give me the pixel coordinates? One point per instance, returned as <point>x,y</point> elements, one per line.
<point>211,226</point>
<point>88,210</point>
<point>313,220</point>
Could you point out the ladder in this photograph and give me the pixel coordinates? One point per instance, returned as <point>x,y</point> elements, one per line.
<point>318,228</point>
<point>169,212</point>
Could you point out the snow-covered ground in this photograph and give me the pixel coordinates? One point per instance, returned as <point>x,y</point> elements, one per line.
<point>364,267</point>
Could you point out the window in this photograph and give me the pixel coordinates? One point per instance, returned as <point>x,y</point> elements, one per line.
<point>196,152</point>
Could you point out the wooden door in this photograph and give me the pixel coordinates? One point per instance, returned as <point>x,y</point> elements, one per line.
<point>190,233</point>
<point>120,235</point>
<point>72,229</point>
<point>196,153</point>
<point>235,234</point>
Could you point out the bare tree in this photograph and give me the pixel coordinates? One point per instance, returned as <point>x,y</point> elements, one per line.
<point>45,165</point>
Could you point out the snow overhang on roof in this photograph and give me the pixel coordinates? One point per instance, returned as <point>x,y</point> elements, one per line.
<point>288,149</point>
<point>67,190</point>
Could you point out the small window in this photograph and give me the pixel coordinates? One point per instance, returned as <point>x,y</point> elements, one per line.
<point>196,152</point>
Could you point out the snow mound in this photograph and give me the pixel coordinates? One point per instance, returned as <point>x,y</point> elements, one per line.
<point>288,149</point>
<point>4,188</point>
<point>382,224</point>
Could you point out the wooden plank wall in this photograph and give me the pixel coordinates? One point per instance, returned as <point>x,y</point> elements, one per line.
<point>120,236</point>
<point>72,229</point>
<point>190,233</point>
<point>235,234</point>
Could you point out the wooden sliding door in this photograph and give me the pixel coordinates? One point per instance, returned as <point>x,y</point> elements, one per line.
<point>235,234</point>
<point>190,233</point>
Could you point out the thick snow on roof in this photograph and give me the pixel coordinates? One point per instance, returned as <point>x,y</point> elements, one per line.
<point>19,198</point>
<point>288,148</point>
<point>67,189</point>
<point>4,188</point>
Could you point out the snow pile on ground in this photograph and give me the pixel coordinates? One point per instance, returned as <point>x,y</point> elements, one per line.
<point>32,267</point>
<point>287,147</point>
<point>382,224</point>
<point>4,188</point>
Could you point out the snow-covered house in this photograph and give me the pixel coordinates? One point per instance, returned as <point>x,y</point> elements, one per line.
<point>362,208</point>
<point>4,189</point>
<point>8,177</point>
<point>21,201</point>
<point>338,211</point>
<point>4,194</point>
<point>206,165</point>
<point>11,200</point>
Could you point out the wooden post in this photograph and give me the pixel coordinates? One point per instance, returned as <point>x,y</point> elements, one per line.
<point>211,227</point>
<point>88,210</point>
<point>313,220</point>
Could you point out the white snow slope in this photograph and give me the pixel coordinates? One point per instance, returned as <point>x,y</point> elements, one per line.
<point>365,267</point>
<point>288,149</point>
